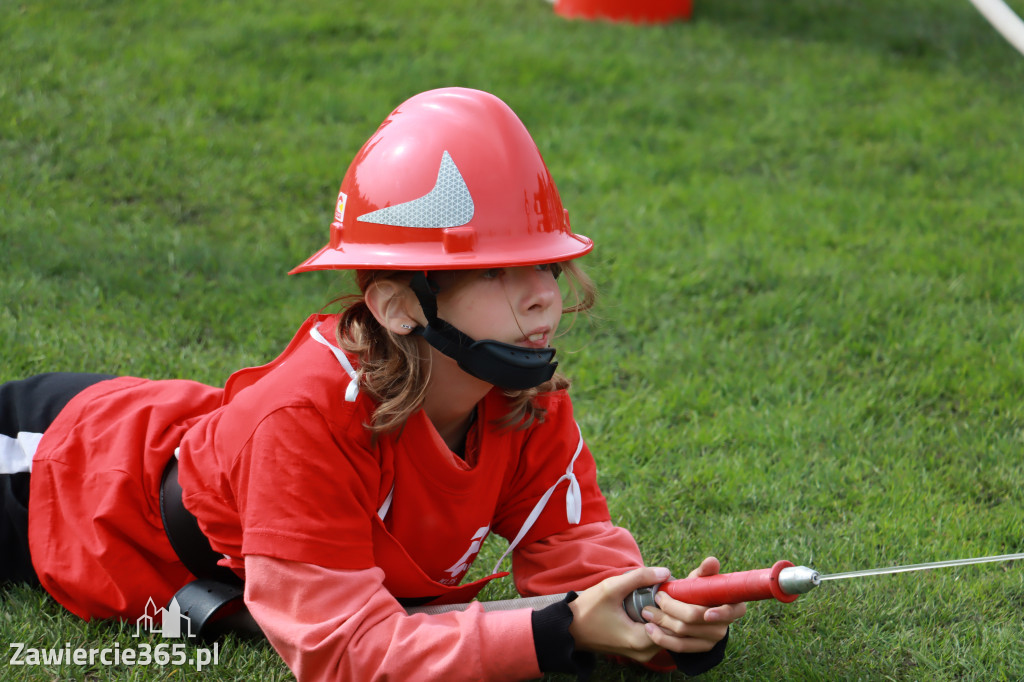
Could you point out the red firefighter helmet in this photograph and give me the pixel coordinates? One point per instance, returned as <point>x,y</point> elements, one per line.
<point>450,180</point>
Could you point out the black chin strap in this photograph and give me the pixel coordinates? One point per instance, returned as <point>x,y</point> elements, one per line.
<point>502,364</point>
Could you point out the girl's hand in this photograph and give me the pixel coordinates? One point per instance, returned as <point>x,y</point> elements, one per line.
<point>688,628</point>
<point>600,624</point>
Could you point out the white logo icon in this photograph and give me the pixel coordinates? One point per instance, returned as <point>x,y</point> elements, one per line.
<point>463,564</point>
<point>170,619</point>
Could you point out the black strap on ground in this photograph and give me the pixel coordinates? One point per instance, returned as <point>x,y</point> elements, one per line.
<point>216,609</point>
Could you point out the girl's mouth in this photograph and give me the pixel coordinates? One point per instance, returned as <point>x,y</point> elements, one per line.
<point>538,339</point>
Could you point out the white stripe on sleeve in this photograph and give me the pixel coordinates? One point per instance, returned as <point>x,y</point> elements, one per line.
<point>16,453</point>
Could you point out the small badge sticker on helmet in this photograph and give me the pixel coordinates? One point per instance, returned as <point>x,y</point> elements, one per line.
<point>448,204</point>
<point>339,208</point>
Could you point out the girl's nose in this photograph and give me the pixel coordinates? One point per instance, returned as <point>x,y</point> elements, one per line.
<point>538,288</point>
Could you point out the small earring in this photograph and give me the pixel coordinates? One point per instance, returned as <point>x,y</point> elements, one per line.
<point>406,326</point>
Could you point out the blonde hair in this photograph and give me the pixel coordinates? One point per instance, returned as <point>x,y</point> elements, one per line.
<point>394,371</point>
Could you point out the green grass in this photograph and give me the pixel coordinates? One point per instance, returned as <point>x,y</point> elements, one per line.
<point>808,219</point>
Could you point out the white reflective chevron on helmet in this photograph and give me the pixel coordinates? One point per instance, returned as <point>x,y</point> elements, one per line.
<point>447,205</point>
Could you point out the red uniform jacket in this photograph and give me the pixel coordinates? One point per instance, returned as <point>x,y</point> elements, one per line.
<point>279,464</point>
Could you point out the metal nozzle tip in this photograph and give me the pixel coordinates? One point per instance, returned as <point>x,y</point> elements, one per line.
<point>798,579</point>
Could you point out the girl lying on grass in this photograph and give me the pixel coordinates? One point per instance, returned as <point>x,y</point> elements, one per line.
<point>361,470</point>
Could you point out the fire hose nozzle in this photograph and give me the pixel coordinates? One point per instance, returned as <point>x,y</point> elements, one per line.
<point>798,579</point>
<point>783,581</point>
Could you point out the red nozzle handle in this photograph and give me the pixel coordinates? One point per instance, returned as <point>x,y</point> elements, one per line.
<point>731,588</point>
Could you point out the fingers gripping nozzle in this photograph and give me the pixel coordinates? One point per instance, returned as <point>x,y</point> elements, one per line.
<point>635,602</point>
<point>783,581</point>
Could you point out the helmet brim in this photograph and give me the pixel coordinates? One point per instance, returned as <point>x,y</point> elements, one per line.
<point>415,257</point>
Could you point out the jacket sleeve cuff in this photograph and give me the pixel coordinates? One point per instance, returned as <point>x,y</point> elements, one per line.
<point>555,647</point>
<point>696,664</point>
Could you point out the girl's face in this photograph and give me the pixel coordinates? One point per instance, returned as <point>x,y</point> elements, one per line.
<point>518,305</point>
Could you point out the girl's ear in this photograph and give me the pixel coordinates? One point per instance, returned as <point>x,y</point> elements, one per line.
<point>394,306</point>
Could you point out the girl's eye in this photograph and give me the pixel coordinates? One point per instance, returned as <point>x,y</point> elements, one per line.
<point>493,273</point>
<point>554,268</point>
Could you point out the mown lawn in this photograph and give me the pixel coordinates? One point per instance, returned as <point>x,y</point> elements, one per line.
<point>808,217</point>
